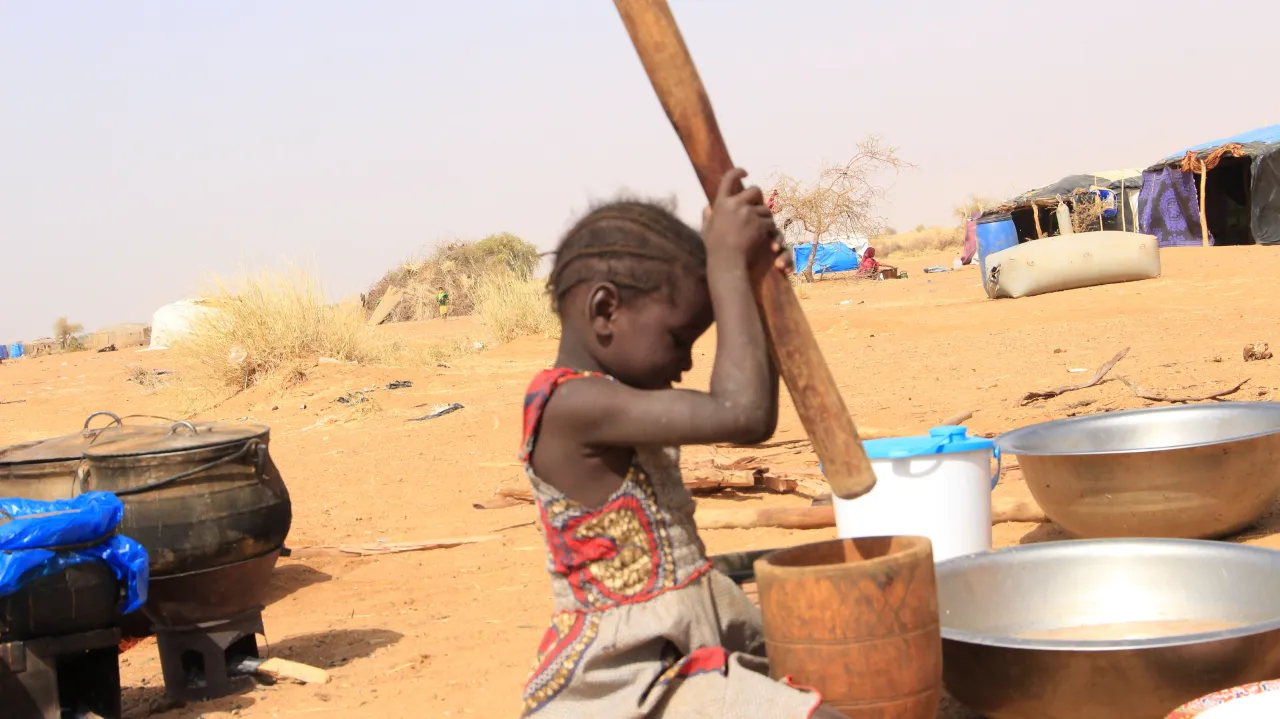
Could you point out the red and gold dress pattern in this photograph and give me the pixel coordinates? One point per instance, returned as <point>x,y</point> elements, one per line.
<point>642,625</point>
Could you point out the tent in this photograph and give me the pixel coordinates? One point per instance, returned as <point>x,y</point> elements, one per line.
<point>175,320</point>
<point>1241,187</point>
<point>841,255</point>
<point>1034,211</point>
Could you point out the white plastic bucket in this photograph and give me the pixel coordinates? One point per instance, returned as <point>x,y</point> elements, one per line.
<point>937,487</point>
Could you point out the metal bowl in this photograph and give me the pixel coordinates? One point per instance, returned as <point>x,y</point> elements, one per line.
<point>1189,471</point>
<point>1020,637</point>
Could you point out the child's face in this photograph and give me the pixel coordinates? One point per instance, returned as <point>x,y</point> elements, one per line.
<point>652,342</point>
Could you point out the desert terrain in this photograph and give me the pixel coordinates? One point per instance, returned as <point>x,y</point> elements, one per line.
<point>451,632</point>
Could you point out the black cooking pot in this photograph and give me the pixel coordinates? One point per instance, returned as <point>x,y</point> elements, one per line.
<point>198,497</point>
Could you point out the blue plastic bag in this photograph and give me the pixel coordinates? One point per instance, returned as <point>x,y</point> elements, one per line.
<point>38,546</point>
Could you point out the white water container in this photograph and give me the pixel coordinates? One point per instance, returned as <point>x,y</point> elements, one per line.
<point>937,487</point>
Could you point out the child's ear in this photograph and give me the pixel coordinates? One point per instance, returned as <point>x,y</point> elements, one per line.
<point>603,302</point>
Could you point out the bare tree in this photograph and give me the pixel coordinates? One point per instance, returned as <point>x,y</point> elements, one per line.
<point>844,200</point>
<point>65,332</point>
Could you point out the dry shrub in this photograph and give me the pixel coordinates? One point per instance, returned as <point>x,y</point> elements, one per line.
<point>1086,215</point>
<point>274,326</point>
<point>931,240</point>
<point>512,306</point>
<point>145,378</point>
<point>457,268</point>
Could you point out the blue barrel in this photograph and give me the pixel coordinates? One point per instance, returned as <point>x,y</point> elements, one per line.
<point>995,233</point>
<point>15,350</point>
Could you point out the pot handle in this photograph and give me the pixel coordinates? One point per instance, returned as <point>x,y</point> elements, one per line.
<point>115,419</point>
<point>173,429</point>
<point>995,478</point>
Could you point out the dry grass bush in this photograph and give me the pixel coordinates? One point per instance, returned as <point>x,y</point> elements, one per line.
<point>273,326</point>
<point>1086,216</point>
<point>928,241</point>
<point>456,267</point>
<point>145,378</point>
<point>512,306</point>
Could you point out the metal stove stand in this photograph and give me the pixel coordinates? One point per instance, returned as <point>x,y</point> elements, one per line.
<point>196,659</point>
<point>56,677</point>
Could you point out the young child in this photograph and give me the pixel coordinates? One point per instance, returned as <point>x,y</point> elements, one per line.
<point>442,299</point>
<point>643,627</point>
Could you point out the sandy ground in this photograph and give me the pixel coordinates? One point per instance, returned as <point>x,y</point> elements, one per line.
<point>452,632</point>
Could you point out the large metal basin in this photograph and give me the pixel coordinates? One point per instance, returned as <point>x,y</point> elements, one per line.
<point>993,607</point>
<point>1189,471</point>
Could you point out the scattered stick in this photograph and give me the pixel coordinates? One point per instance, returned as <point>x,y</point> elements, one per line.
<point>506,497</point>
<point>765,445</point>
<point>12,401</point>
<point>1152,396</point>
<point>369,550</point>
<point>277,668</point>
<point>782,517</point>
<point>957,419</point>
<point>1097,377</point>
<point>437,413</point>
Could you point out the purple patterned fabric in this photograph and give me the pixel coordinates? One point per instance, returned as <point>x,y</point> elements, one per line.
<point>1169,206</point>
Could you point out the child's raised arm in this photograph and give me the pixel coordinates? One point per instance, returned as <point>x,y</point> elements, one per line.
<point>742,405</point>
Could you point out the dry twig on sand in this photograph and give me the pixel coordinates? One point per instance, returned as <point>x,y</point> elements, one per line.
<point>1154,397</point>
<point>366,550</point>
<point>1097,377</point>
<point>506,497</point>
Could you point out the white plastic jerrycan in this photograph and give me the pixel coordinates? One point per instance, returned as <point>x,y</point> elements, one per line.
<point>937,486</point>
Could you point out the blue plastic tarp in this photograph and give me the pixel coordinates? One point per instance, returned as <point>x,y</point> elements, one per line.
<point>831,257</point>
<point>44,538</point>
<point>15,350</point>
<point>1264,135</point>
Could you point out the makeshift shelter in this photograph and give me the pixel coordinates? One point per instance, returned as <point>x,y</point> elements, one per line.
<point>173,321</point>
<point>842,255</point>
<point>1112,194</point>
<point>1236,179</point>
<point>128,334</point>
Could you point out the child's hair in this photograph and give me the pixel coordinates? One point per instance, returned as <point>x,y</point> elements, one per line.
<point>638,246</point>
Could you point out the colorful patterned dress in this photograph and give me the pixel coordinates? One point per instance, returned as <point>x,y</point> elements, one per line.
<point>643,626</point>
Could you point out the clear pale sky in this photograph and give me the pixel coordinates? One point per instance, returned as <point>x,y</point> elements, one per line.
<point>147,145</point>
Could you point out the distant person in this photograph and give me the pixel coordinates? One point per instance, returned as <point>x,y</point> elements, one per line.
<point>644,626</point>
<point>869,267</point>
<point>442,299</point>
<point>970,239</point>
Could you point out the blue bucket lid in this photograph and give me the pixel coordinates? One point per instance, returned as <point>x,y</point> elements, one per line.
<point>941,440</point>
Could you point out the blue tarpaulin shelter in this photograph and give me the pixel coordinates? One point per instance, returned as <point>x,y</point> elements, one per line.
<point>1242,192</point>
<point>832,257</point>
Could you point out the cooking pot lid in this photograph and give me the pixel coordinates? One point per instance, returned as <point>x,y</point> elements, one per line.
<point>179,437</point>
<point>72,446</point>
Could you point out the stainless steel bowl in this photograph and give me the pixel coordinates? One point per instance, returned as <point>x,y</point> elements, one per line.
<point>995,607</point>
<point>1192,471</point>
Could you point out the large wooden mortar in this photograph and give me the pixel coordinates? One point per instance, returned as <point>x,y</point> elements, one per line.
<point>856,619</point>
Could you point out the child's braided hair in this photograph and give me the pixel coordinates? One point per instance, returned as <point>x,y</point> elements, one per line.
<point>638,246</point>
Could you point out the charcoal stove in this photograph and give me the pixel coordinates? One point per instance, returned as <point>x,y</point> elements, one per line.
<point>68,675</point>
<point>206,621</point>
<point>196,660</point>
